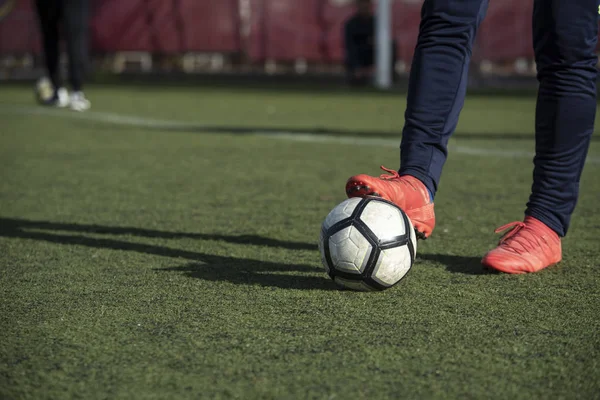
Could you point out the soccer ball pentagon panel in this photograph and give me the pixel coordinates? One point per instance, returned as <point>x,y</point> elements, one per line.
<point>367,244</point>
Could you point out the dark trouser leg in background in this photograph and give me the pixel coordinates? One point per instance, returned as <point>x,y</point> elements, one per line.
<point>76,34</point>
<point>49,14</point>
<point>438,82</point>
<point>358,57</point>
<point>565,34</point>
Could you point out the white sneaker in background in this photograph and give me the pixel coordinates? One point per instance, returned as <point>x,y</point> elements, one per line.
<point>78,102</point>
<point>62,98</point>
<point>47,95</point>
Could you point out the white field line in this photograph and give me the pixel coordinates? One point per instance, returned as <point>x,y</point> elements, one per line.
<point>307,137</point>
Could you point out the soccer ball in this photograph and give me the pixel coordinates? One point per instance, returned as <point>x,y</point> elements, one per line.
<point>367,244</point>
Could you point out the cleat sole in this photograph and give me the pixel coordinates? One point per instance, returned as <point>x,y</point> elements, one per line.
<point>420,235</point>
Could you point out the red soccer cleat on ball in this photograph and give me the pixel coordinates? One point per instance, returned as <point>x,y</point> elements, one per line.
<point>528,246</point>
<point>406,191</point>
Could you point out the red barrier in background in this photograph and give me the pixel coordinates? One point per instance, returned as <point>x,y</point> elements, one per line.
<point>165,26</point>
<point>121,25</point>
<point>285,30</point>
<point>406,20</point>
<point>506,32</point>
<point>334,18</point>
<point>282,30</point>
<point>19,30</point>
<point>210,26</point>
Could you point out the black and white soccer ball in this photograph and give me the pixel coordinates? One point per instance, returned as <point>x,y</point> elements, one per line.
<point>367,244</point>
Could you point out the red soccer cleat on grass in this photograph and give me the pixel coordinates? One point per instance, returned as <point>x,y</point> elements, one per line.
<point>406,191</point>
<point>528,246</point>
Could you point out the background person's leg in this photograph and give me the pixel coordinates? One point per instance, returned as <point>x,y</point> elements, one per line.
<point>49,18</point>
<point>76,24</point>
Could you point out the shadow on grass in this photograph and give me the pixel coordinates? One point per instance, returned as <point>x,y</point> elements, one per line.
<point>204,266</point>
<point>457,264</point>
<point>302,133</point>
<point>253,272</point>
<point>8,224</point>
<point>349,134</point>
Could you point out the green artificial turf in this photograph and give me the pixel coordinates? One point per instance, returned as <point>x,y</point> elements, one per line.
<point>181,262</point>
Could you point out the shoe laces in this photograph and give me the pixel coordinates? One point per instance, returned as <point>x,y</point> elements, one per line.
<point>393,174</point>
<point>520,238</point>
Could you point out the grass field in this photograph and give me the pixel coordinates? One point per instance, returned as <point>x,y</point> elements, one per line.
<point>163,246</point>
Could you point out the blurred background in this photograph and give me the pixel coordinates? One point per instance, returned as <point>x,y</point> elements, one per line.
<point>287,39</point>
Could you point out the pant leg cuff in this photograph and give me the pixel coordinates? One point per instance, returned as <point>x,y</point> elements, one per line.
<point>546,219</point>
<point>424,178</point>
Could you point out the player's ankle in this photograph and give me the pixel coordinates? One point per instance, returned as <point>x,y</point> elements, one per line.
<point>430,192</point>
<point>541,223</point>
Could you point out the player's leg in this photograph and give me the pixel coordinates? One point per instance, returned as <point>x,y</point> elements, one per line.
<point>437,89</point>
<point>76,31</point>
<point>438,84</point>
<point>49,15</point>
<point>565,35</point>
